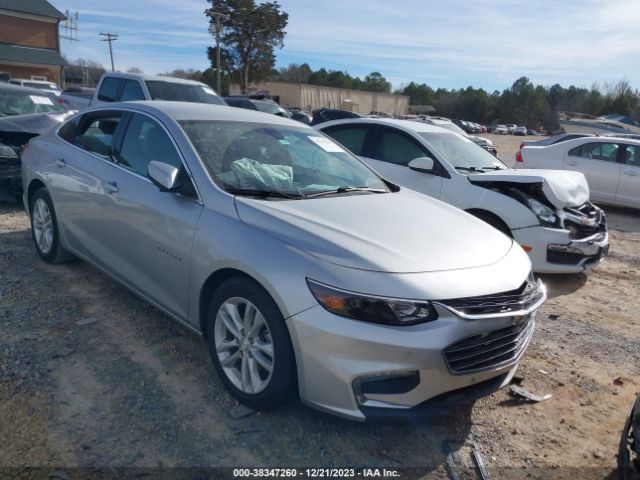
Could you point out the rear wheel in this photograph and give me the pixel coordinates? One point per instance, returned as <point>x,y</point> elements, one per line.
<point>250,345</point>
<point>44,229</point>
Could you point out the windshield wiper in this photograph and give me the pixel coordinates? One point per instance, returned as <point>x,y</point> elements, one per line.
<point>263,193</point>
<point>468,169</point>
<point>345,190</point>
<point>494,168</point>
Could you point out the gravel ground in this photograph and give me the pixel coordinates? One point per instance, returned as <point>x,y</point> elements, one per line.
<point>90,376</point>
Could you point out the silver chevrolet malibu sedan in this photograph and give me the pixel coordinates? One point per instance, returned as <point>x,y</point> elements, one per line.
<point>306,272</point>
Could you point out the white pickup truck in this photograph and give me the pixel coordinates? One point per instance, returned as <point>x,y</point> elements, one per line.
<point>123,87</point>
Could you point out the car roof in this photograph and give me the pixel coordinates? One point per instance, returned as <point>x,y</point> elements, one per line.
<point>200,111</point>
<point>159,78</point>
<point>20,89</point>
<point>410,125</point>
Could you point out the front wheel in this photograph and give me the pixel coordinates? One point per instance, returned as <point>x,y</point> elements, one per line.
<point>250,345</point>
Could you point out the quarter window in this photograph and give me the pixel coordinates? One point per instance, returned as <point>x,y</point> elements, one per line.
<point>144,141</point>
<point>132,91</point>
<point>109,89</point>
<point>351,137</point>
<point>395,147</point>
<point>95,134</point>
<point>607,152</point>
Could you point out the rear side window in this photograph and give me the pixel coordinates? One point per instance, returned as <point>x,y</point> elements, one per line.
<point>395,147</point>
<point>145,140</point>
<point>109,89</point>
<point>95,134</point>
<point>352,137</point>
<point>132,91</point>
<point>607,152</point>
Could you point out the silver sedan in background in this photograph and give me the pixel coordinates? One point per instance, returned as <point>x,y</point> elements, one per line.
<point>304,270</point>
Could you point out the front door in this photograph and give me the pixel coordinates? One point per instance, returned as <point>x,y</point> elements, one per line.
<point>598,161</point>
<point>629,187</point>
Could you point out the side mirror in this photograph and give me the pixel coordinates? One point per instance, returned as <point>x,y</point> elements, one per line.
<point>421,164</point>
<point>163,175</point>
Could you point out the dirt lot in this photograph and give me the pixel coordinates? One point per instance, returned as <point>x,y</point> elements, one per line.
<point>132,388</point>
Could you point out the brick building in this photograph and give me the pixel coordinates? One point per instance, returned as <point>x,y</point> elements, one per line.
<point>29,40</point>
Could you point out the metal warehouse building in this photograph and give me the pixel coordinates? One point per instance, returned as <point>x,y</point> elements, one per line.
<point>310,97</point>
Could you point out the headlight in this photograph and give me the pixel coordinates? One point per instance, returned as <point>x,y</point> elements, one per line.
<point>383,310</point>
<point>543,212</point>
<point>7,154</point>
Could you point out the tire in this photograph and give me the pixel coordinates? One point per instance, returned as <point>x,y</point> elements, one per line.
<point>494,221</point>
<point>238,345</point>
<point>44,229</point>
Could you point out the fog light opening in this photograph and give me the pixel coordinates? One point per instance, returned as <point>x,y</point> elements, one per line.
<point>385,384</point>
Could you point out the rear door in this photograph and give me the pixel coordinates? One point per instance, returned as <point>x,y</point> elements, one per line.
<point>600,163</point>
<point>629,188</point>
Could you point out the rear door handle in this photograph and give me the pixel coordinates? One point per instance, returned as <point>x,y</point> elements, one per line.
<point>572,163</point>
<point>60,162</point>
<point>111,187</point>
<point>631,173</point>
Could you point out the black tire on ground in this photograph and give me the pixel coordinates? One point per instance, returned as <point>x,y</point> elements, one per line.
<point>494,221</point>
<point>283,382</point>
<point>56,253</point>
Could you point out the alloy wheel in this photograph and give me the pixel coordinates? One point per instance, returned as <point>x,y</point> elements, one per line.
<point>244,345</point>
<point>42,226</point>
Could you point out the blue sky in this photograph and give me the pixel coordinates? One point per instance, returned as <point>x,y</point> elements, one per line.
<point>451,44</point>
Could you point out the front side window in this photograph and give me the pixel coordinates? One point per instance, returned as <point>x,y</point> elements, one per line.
<point>351,136</point>
<point>632,156</point>
<point>95,133</point>
<point>19,103</point>
<point>145,140</point>
<point>132,91</point>
<point>182,92</point>
<point>462,153</point>
<point>607,152</point>
<point>109,89</point>
<point>395,147</point>
<point>253,157</point>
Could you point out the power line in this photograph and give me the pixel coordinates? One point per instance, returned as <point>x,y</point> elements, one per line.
<point>109,37</point>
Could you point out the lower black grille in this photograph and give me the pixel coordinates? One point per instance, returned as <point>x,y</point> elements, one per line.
<point>489,350</point>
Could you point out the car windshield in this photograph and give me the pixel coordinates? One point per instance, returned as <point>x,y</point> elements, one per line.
<point>453,127</point>
<point>277,160</point>
<point>462,153</point>
<point>20,103</point>
<point>41,86</point>
<point>182,92</point>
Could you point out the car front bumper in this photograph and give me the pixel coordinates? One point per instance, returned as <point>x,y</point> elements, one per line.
<point>405,369</point>
<point>554,251</point>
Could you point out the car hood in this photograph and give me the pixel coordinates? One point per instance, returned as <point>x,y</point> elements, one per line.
<point>37,123</point>
<point>398,232</point>
<point>563,188</point>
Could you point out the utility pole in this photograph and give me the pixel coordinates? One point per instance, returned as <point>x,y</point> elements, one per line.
<point>218,16</point>
<point>110,37</point>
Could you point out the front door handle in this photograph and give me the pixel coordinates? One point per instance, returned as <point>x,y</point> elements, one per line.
<point>110,187</point>
<point>572,163</point>
<point>60,162</point>
<point>631,173</point>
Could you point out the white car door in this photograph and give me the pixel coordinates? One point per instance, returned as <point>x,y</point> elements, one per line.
<point>599,162</point>
<point>390,151</point>
<point>629,187</point>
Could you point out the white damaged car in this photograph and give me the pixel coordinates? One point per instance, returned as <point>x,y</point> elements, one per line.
<point>547,212</point>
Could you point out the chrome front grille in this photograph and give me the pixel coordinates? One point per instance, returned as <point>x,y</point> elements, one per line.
<point>584,221</point>
<point>490,350</point>
<point>529,296</point>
